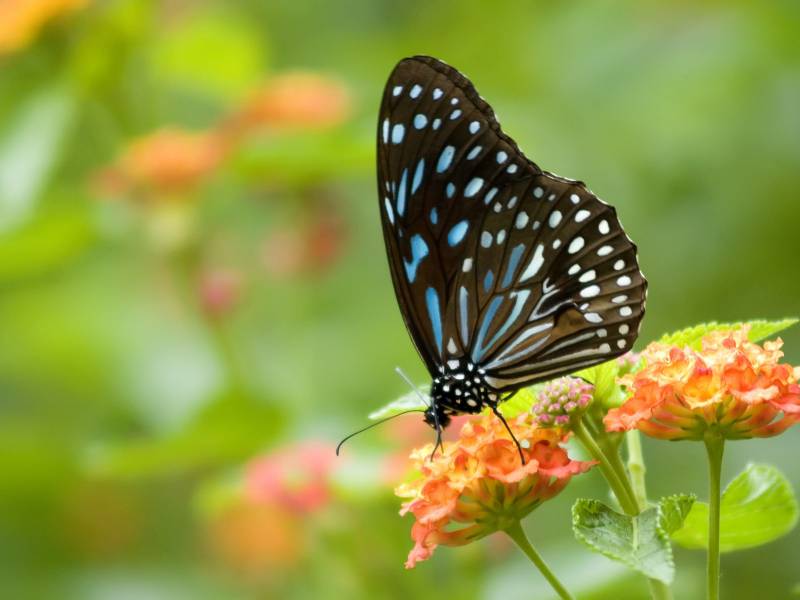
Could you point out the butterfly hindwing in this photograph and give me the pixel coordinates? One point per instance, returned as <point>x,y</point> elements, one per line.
<point>527,274</point>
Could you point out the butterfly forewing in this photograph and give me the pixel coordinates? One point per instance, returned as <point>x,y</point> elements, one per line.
<point>525,274</point>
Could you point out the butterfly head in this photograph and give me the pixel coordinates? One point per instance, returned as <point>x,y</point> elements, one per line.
<point>459,389</point>
<point>437,417</point>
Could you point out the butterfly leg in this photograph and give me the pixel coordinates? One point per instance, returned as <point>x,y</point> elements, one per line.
<point>511,433</point>
<point>438,427</point>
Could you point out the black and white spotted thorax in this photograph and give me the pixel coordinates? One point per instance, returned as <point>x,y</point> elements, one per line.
<point>459,390</point>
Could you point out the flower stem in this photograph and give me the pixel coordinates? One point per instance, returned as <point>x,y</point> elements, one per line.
<point>516,533</point>
<point>632,497</point>
<point>636,467</point>
<point>612,477</point>
<point>715,446</point>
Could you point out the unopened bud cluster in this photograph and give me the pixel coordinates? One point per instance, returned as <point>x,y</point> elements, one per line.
<point>562,400</point>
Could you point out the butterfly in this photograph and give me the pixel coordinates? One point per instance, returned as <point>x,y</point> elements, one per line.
<point>506,275</point>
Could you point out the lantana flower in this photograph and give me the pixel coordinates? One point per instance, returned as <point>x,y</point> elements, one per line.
<point>478,484</point>
<point>732,387</point>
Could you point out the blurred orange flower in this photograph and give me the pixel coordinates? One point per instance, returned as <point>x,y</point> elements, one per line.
<point>311,247</point>
<point>300,100</point>
<point>732,386</point>
<point>478,485</point>
<point>296,477</point>
<point>21,20</point>
<point>168,160</point>
<point>252,538</point>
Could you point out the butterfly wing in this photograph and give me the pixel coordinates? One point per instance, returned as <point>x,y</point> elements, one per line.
<point>523,273</point>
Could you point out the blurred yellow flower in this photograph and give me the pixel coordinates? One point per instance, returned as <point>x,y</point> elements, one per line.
<point>21,20</point>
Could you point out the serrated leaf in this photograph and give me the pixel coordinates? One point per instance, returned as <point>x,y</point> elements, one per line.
<point>410,401</point>
<point>673,511</point>
<point>757,507</point>
<point>520,402</point>
<point>641,542</point>
<point>759,330</point>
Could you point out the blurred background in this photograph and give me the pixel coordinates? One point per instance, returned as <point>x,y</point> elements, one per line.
<point>195,303</point>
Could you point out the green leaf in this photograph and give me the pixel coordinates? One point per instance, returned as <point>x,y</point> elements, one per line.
<point>410,401</point>
<point>641,542</point>
<point>759,330</point>
<point>604,379</point>
<point>50,241</point>
<point>673,511</point>
<point>519,403</point>
<point>232,428</point>
<point>31,142</point>
<point>758,506</point>
<point>211,51</point>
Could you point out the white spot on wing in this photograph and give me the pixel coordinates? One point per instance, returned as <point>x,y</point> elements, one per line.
<point>535,264</point>
<point>398,131</point>
<point>473,187</point>
<point>575,245</point>
<point>590,291</point>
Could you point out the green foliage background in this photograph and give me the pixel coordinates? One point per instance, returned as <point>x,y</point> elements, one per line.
<point>685,115</point>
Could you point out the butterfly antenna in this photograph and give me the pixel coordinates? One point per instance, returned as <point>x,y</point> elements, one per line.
<point>511,433</point>
<point>410,383</point>
<point>375,424</point>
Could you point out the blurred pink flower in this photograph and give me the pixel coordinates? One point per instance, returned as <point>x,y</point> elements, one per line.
<point>220,289</point>
<point>296,477</point>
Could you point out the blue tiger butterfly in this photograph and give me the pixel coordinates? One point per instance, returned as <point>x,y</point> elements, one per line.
<point>506,275</point>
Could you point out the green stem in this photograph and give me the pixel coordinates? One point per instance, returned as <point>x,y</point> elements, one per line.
<point>636,467</point>
<point>632,498</point>
<point>516,533</point>
<point>715,446</point>
<point>612,477</point>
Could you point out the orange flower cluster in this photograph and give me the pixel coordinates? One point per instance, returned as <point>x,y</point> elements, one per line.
<point>478,485</point>
<point>172,160</point>
<point>169,160</point>
<point>295,100</point>
<point>21,20</point>
<point>732,387</point>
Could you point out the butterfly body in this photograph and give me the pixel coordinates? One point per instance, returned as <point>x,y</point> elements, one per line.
<point>506,274</point>
<point>461,388</point>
